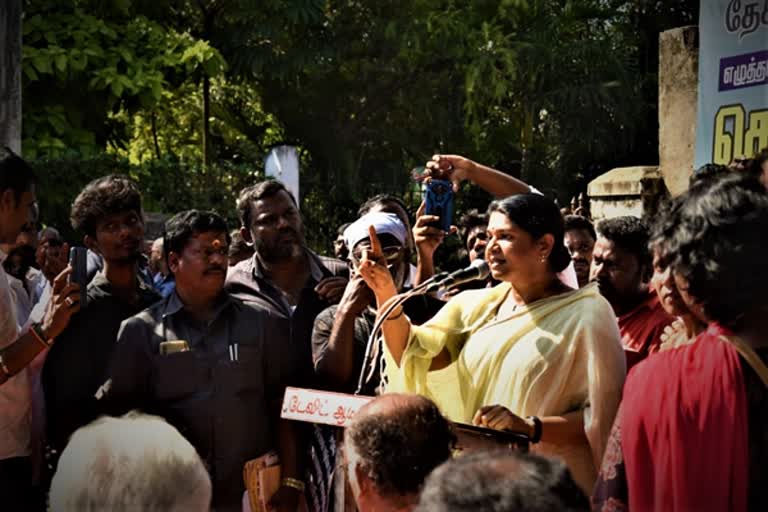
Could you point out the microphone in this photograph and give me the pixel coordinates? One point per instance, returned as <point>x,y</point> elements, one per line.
<point>478,269</point>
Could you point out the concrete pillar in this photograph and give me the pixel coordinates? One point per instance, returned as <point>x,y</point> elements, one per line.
<point>678,95</point>
<point>635,191</point>
<point>10,74</point>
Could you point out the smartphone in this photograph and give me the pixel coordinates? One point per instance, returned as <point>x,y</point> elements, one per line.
<point>78,258</point>
<point>439,202</point>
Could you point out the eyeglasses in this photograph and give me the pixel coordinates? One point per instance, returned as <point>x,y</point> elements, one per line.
<point>209,252</point>
<point>391,254</point>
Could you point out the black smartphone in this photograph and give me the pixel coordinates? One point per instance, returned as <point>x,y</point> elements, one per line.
<point>78,260</point>
<point>439,202</point>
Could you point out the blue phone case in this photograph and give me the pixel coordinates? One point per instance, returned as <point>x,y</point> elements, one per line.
<point>439,202</point>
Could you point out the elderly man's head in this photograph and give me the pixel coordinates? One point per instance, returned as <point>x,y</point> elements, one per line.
<point>502,481</point>
<point>136,462</point>
<point>394,442</point>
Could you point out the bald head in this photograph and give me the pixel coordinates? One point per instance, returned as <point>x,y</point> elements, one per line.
<point>394,442</point>
<point>398,404</point>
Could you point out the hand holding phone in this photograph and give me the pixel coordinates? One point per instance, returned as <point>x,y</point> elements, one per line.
<point>78,258</point>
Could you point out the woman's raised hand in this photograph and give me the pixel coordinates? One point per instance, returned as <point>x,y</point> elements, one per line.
<point>453,168</point>
<point>374,270</point>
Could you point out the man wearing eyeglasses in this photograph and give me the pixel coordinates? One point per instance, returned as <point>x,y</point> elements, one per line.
<point>21,343</point>
<point>214,367</point>
<point>341,332</point>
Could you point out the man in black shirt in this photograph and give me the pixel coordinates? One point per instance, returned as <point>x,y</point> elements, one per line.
<point>108,212</point>
<point>213,366</point>
<point>284,275</point>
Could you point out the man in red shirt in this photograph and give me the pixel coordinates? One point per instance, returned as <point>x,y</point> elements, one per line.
<point>621,266</point>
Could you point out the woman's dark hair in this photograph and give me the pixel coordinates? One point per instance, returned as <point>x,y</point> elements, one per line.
<point>715,236</point>
<point>537,216</point>
<point>104,196</point>
<point>182,227</point>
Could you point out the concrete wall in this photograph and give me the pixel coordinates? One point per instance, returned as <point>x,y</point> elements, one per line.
<point>635,191</point>
<point>678,96</point>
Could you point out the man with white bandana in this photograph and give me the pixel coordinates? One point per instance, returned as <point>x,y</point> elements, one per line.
<point>341,331</point>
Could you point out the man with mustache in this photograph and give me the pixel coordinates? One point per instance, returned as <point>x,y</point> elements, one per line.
<point>580,240</point>
<point>211,365</point>
<point>621,266</point>
<point>108,213</point>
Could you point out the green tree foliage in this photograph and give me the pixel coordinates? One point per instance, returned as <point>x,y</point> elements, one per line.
<point>555,91</point>
<point>80,70</point>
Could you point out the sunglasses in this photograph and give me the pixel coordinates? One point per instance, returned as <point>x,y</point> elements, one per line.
<point>390,254</point>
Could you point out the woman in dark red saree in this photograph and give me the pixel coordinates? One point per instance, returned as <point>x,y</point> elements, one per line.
<point>692,430</point>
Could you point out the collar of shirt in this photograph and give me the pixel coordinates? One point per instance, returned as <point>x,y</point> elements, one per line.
<point>101,287</point>
<point>649,303</point>
<point>315,266</point>
<point>173,305</point>
<point>2,256</point>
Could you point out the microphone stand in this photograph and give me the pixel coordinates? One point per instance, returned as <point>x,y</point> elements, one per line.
<point>388,307</point>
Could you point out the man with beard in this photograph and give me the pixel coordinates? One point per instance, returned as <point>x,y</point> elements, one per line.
<point>580,240</point>
<point>287,279</point>
<point>108,212</point>
<point>621,266</point>
<point>214,367</point>
<point>284,275</point>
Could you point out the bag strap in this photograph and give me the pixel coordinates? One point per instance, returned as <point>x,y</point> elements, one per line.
<point>750,356</point>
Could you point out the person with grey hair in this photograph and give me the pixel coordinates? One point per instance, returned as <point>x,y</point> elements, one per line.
<point>502,481</point>
<point>394,442</point>
<point>135,462</point>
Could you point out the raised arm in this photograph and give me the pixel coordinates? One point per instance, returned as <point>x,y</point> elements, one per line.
<point>64,302</point>
<point>456,169</point>
<point>378,278</point>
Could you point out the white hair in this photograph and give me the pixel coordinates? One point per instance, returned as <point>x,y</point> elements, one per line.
<point>136,462</point>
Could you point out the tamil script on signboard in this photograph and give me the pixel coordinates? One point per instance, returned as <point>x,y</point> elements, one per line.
<point>733,80</point>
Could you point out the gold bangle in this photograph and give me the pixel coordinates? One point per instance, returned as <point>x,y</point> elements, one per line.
<point>293,483</point>
<point>3,367</point>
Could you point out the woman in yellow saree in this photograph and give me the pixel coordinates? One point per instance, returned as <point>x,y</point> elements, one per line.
<point>530,355</point>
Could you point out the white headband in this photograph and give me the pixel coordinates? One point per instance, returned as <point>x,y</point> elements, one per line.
<point>384,223</point>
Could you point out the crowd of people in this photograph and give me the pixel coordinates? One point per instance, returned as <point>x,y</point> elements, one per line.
<point>630,354</point>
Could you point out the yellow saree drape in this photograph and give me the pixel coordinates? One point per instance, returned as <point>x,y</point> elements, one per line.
<point>551,357</point>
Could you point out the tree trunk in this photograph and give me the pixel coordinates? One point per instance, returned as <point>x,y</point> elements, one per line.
<point>206,123</point>
<point>154,134</point>
<point>10,74</point>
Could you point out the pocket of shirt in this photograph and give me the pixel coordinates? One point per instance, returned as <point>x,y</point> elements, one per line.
<point>178,375</point>
<point>246,375</point>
